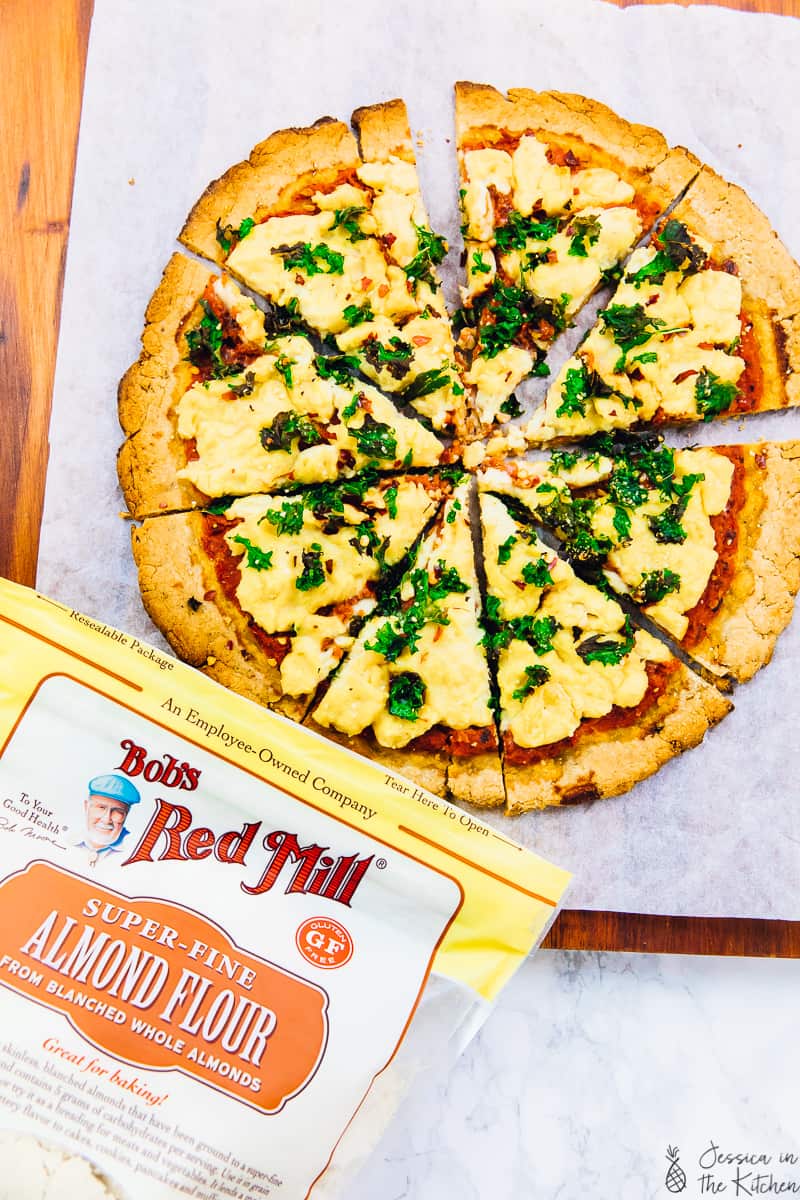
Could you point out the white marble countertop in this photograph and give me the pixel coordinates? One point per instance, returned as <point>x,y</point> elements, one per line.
<point>590,1067</point>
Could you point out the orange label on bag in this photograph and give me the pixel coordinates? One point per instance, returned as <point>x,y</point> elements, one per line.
<point>160,986</point>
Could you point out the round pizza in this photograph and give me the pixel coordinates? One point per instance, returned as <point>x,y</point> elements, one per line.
<point>344,511</point>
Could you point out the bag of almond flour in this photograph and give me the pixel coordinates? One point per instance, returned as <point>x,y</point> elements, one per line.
<point>218,931</point>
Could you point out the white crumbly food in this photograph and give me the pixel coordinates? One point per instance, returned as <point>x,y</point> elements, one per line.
<point>232,459</point>
<point>352,282</point>
<point>448,657</point>
<point>598,224</point>
<point>696,324</point>
<point>271,562</point>
<point>31,1170</point>
<point>572,689</point>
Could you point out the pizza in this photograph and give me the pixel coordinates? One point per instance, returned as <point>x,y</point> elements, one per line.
<point>343,512</point>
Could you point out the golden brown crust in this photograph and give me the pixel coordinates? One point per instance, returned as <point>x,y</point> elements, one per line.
<point>658,172</point>
<point>383,132</point>
<point>607,763</point>
<point>477,780</point>
<point>149,390</point>
<point>426,768</point>
<point>183,597</point>
<point>723,214</point>
<point>269,180</point>
<point>759,601</point>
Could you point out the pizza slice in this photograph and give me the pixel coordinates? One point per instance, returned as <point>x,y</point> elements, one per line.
<point>265,593</point>
<point>414,692</point>
<point>342,240</point>
<point>705,323</point>
<point>555,190</point>
<point>705,540</point>
<point>227,400</point>
<point>588,704</point>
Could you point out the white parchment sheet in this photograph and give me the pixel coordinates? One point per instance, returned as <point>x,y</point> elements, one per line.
<point>178,90</point>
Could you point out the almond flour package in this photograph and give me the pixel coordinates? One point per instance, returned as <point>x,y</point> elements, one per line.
<point>227,946</point>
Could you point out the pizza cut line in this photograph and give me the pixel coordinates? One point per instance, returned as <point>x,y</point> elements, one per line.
<point>301,428</point>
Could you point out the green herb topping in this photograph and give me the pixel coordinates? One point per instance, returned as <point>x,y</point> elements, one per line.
<point>479,267</point>
<point>289,427</point>
<point>393,357</point>
<point>357,316</point>
<point>537,573</point>
<point>425,383</point>
<point>312,575</point>
<point>390,496</point>
<point>209,349</point>
<point>504,550</point>
<point>258,559</point>
<point>631,326</point>
<point>712,396</point>
<point>518,229</point>
<point>406,695</point>
<point>311,260</point>
<point>431,250</point>
<point>338,367</point>
<point>511,407</point>
<point>677,252</point>
<point>288,519</point>
<point>655,585</point>
<point>608,651</point>
<point>375,439</point>
<point>585,233</point>
<point>228,236</point>
<point>347,219</point>
<point>534,678</point>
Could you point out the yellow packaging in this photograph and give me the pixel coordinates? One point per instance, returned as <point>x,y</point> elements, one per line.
<point>216,927</point>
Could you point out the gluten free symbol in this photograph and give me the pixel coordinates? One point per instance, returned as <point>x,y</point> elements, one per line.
<point>324,943</point>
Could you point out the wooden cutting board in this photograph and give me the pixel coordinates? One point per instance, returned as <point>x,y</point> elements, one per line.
<point>42,59</point>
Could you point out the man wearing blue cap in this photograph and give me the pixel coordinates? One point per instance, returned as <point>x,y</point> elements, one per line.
<point>107,807</point>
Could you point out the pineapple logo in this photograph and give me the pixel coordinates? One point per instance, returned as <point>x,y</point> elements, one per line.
<point>676,1176</point>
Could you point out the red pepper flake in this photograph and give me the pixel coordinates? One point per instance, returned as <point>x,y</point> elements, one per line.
<point>684,375</point>
<point>420,341</point>
<point>366,282</point>
<point>437,632</point>
<point>329,565</point>
<point>299,280</point>
<point>653,299</point>
<point>730,267</point>
<point>210,595</point>
<point>383,290</point>
<point>705,345</point>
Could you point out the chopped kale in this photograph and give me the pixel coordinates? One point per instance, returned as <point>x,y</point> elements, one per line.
<point>580,385</point>
<point>585,232</point>
<point>455,508</point>
<point>375,439</point>
<point>338,367</point>
<point>357,316</point>
<point>283,366</point>
<point>209,348</point>
<point>311,260</point>
<point>507,312</point>
<point>218,507</point>
<point>479,267</point>
<point>504,550</point>
<point>390,496</point>
<point>666,526</point>
<point>518,229</point>
<point>347,219</point>
<point>257,559</point>
<point>394,357</point>
<point>562,460</point>
<point>406,695</point>
<point>288,519</point>
<point>431,250</point>
<point>712,396</point>
<point>631,326</point>
<point>655,585</point>
<point>289,427</point>
<point>313,574</point>
<point>447,580</point>
<point>511,407</point>
<point>676,252</point>
<point>622,523</point>
<point>534,678</point>
<point>228,236</point>
<point>537,573</point>
<point>425,383</point>
<point>608,651</point>
<point>245,388</point>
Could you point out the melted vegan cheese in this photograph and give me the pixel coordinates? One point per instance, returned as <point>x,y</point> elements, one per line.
<point>534,184</point>
<point>248,316</point>
<point>449,658</point>
<point>703,308</point>
<point>575,690</point>
<point>270,595</point>
<point>231,457</point>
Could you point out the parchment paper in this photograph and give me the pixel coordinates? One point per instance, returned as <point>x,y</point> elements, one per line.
<point>177,92</point>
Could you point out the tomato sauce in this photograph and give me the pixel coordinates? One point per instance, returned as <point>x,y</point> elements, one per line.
<point>726,541</point>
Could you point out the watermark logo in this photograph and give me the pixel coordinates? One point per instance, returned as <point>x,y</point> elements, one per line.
<point>675,1180</point>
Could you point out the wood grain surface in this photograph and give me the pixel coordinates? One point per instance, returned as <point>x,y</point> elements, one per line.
<point>43,47</point>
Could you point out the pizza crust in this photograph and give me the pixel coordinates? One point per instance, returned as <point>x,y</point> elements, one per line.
<point>477,780</point>
<point>383,132</point>
<point>277,169</point>
<point>426,768</point>
<point>152,452</point>
<point>725,215</point>
<point>210,632</point>
<point>603,764</point>
<point>758,604</point>
<point>642,154</point>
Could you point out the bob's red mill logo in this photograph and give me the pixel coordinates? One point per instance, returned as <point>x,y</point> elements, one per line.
<point>172,836</point>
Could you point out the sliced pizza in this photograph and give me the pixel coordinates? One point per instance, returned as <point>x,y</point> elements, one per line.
<point>414,692</point>
<point>341,240</point>
<point>265,593</point>
<point>588,704</point>
<point>227,401</point>
<point>704,324</point>
<point>706,540</point>
<point>555,190</point>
